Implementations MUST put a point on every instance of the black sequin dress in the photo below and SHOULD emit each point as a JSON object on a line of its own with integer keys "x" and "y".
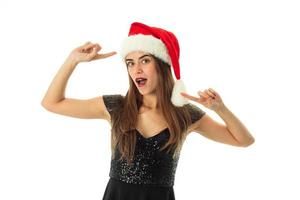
{"x": 152, "y": 175}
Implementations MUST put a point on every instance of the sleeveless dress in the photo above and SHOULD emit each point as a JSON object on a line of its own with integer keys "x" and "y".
{"x": 152, "y": 175}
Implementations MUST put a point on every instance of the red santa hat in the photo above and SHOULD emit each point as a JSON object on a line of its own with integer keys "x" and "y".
{"x": 160, "y": 43}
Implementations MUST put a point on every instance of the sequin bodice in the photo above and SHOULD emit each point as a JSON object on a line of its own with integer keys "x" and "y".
{"x": 150, "y": 165}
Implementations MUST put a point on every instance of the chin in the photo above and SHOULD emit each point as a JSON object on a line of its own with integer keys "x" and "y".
{"x": 147, "y": 92}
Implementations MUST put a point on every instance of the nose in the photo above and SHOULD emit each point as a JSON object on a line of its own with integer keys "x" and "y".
{"x": 138, "y": 69}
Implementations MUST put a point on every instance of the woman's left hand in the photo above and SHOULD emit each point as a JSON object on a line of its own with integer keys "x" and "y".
{"x": 209, "y": 98}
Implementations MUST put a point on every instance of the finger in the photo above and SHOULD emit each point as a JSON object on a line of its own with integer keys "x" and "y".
{"x": 189, "y": 96}
{"x": 87, "y": 47}
{"x": 109, "y": 54}
{"x": 98, "y": 47}
{"x": 100, "y": 56}
{"x": 213, "y": 91}
{"x": 210, "y": 93}
{"x": 82, "y": 46}
{"x": 202, "y": 94}
{"x": 92, "y": 54}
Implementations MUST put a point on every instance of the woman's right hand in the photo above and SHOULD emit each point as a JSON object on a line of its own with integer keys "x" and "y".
{"x": 88, "y": 52}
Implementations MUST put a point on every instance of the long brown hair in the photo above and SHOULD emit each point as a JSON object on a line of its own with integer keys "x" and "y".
{"x": 178, "y": 118}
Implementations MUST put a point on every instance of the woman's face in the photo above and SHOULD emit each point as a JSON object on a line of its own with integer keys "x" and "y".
{"x": 141, "y": 68}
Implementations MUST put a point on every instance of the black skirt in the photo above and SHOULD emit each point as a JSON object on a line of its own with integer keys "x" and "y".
{"x": 119, "y": 190}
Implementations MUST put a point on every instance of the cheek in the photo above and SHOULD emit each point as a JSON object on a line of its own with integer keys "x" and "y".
{"x": 129, "y": 73}
{"x": 154, "y": 77}
{"x": 151, "y": 70}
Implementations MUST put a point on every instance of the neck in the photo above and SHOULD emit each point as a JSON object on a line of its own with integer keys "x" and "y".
{"x": 150, "y": 101}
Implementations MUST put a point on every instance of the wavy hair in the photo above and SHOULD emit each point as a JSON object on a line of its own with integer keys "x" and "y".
{"x": 177, "y": 118}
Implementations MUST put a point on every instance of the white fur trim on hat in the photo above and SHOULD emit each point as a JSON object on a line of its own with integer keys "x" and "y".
{"x": 177, "y": 99}
{"x": 146, "y": 43}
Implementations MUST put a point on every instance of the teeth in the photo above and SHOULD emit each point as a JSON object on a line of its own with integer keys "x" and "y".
{"x": 138, "y": 80}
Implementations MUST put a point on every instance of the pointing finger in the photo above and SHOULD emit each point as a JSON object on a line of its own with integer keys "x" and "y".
{"x": 189, "y": 96}
{"x": 99, "y": 56}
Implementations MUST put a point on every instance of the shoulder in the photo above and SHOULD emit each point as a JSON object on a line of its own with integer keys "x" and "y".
{"x": 113, "y": 101}
{"x": 196, "y": 114}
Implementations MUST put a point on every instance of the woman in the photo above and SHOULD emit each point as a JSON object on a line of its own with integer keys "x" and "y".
{"x": 151, "y": 122}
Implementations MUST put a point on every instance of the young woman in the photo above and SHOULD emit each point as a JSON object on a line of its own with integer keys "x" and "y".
{"x": 151, "y": 122}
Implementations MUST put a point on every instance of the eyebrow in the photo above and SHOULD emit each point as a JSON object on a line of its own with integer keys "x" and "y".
{"x": 139, "y": 57}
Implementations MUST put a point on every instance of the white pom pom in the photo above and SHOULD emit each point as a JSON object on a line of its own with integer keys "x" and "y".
{"x": 177, "y": 99}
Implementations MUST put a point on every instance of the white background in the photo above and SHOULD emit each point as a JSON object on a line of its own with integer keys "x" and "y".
{"x": 248, "y": 51}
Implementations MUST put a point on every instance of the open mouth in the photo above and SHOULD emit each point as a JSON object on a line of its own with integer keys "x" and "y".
{"x": 141, "y": 81}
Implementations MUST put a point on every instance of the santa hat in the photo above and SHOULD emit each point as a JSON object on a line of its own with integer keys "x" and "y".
{"x": 160, "y": 43}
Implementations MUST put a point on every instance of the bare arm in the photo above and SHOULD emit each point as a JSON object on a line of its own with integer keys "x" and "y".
{"x": 233, "y": 132}
{"x": 56, "y": 90}
{"x": 54, "y": 99}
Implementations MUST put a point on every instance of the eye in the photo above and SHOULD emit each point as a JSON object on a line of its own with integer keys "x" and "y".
{"x": 146, "y": 60}
{"x": 129, "y": 64}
